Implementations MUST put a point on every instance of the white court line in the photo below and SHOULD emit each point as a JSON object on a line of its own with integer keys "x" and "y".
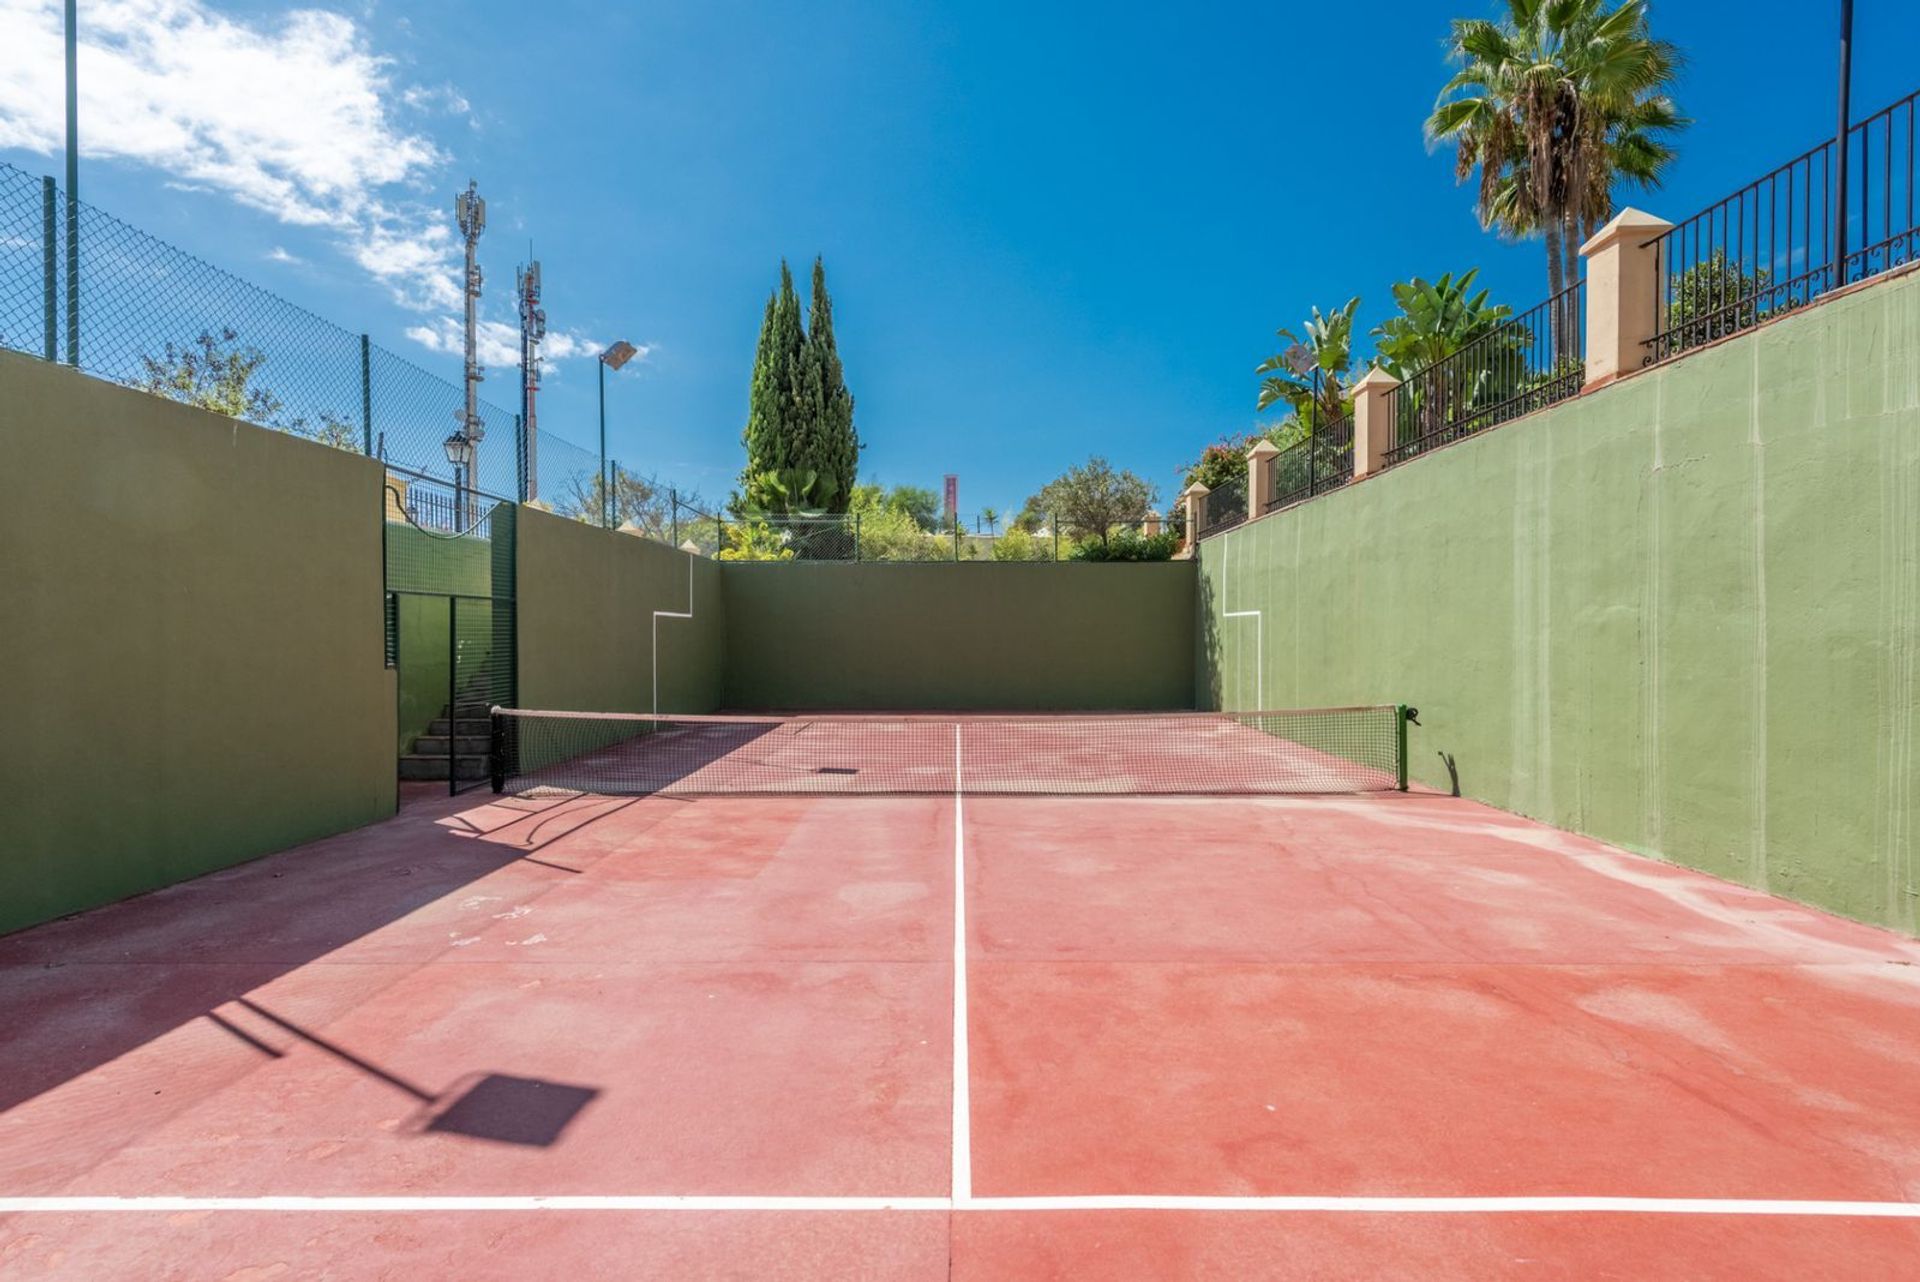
{"x": 1115, "y": 1202}
{"x": 962, "y": 1106}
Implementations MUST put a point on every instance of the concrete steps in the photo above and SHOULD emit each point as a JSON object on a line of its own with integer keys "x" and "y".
{"x": 457, "y": 740}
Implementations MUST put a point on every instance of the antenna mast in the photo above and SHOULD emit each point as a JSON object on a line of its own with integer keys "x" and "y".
{"x": 533, "y": 328}
{"x": 470, "y": 213}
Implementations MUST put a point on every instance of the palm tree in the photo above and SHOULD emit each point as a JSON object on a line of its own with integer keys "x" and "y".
{"x": 1328, "y": 347}
{"x": 992, "y": 518}
{"x": 1552, "y": 105}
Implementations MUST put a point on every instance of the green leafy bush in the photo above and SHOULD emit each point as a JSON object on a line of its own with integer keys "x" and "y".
{"x": 1129, "y": 545}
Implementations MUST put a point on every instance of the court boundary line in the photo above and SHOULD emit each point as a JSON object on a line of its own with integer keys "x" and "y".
{"x": 962, "y": 1072}
{"x": 1329, "y": 1205}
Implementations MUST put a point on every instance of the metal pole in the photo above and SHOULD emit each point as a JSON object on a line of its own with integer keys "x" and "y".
{"x": 453, "y": 695}
{"x": 1054, "y": 521}
{"x": 1840, "y": 145}
{"x": 1313, "y": 417}
{"x": 520, "y": 456}
{"x": 603, "y": 443}
{"x": 1400, "y": 745}
{"x": 366, "y": 392}
{"x": 50, "y": 266}
{"x": 673, "y": 504}
{"x": 73, "y": 185}
{"x": 856, "y": 536}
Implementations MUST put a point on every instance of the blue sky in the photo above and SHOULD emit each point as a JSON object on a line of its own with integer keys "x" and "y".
{"x": 1051, "y": 230}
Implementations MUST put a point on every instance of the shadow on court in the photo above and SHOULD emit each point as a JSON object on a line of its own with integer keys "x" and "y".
{"x": 199, "y": 949}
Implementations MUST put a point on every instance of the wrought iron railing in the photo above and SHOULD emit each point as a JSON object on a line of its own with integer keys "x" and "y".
{"x": 1321, "y": 461}
{"x": 1770, "y": 247}
{"x": 1526, "y": 363}
{"x": 1224, "y": 507}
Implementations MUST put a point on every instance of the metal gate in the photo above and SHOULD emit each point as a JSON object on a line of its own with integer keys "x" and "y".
{"x": 452, "y": 633}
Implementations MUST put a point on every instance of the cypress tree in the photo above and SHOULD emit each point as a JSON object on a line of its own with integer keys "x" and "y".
{"x": 762, "y": 401}
{"x": 836, "y": 451}
{"x": 799, "y": 412}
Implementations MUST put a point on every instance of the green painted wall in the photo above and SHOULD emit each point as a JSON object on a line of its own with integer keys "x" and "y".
{"x": 586, "y": 604}
{"x": 952, "y": 636}
{"x": 190, "y": 642}
{"x": 1681, "y": 613}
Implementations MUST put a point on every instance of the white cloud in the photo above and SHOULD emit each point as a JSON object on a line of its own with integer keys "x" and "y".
{"x": 294, "y": 117}
{"x": 498, "y": 344}
{"x": 279, "y": 254}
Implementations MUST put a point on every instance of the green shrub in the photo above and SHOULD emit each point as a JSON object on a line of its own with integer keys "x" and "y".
{"x": 1129, "y": 545}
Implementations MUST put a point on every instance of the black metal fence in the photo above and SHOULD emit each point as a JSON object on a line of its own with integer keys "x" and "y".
{"x": 1224, "y": 507}
{"x": 1771, "y": 246}
{"x": 1321, "y": 461}
{"x": 1527, "y": 363}
{"x": 155, "y": 317}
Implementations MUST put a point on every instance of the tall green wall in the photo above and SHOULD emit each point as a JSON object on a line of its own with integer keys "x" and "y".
{"x": 190, "y": 642}
{"x": 587, "y": 597}
{"x": 941, "y": 635}
{"x": 1681, "y": 613}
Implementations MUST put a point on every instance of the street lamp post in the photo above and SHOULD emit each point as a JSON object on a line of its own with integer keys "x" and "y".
{"x": 459, "y": 447}
{"x": 613, "y": 358}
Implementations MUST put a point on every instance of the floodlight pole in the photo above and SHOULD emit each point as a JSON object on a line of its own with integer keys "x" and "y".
{"x": 73, "y": 183}
{"x": 615, "y": 356}
{"x": 605, "y": 483}
{"x": 1840, "y": 144}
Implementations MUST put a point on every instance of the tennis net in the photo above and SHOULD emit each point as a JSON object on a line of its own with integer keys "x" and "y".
{"x": 1320, "y": 750}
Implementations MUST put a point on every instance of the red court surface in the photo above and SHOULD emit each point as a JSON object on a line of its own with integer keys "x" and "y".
{"x": 1303, "y": 1037}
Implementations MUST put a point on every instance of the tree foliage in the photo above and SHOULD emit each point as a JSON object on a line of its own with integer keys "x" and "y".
{"x": 802, "y": 450}
{"x": 1320, "y": 391}
{"x": 1715, "y": 298}
{"x": 1553, "y": 104}
{"x": 641, "y": 500}
{"x": 1093, "y": 500}
{"x": 1437, "y": 319}
{"x": 1128, "y": 545}
{"x": 217, "y": 372}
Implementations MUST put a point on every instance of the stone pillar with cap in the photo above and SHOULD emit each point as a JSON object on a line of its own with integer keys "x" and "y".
{"x": 1623, "y": 294}
{"x": 1372, "y": 421}
{"x": 1191, "y": 499}
{"x": 1260, "y": 476}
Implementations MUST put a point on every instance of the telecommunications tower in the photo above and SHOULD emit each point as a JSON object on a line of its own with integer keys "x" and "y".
{"x": 533, "y": 328}
{"x": 463, "y": 448}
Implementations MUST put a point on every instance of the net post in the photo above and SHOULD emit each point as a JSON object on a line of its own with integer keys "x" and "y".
{"x": 497, "y": 749}
{"x": 1400, "y": 716}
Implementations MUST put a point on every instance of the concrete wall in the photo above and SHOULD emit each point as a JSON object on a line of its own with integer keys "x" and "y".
{"x": 950, "y": 636}
{"x": 190, "y": 642}
{"x": 586, "y": 603}
{"x": 1681, "y": 613}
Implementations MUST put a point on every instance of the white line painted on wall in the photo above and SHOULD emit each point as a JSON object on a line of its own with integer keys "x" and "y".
{"x": 669, "y": 614}
{"x": 1227, "y": 542}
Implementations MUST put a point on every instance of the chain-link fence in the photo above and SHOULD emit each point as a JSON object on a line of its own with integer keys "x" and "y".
{"x": 143, "y": 313}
